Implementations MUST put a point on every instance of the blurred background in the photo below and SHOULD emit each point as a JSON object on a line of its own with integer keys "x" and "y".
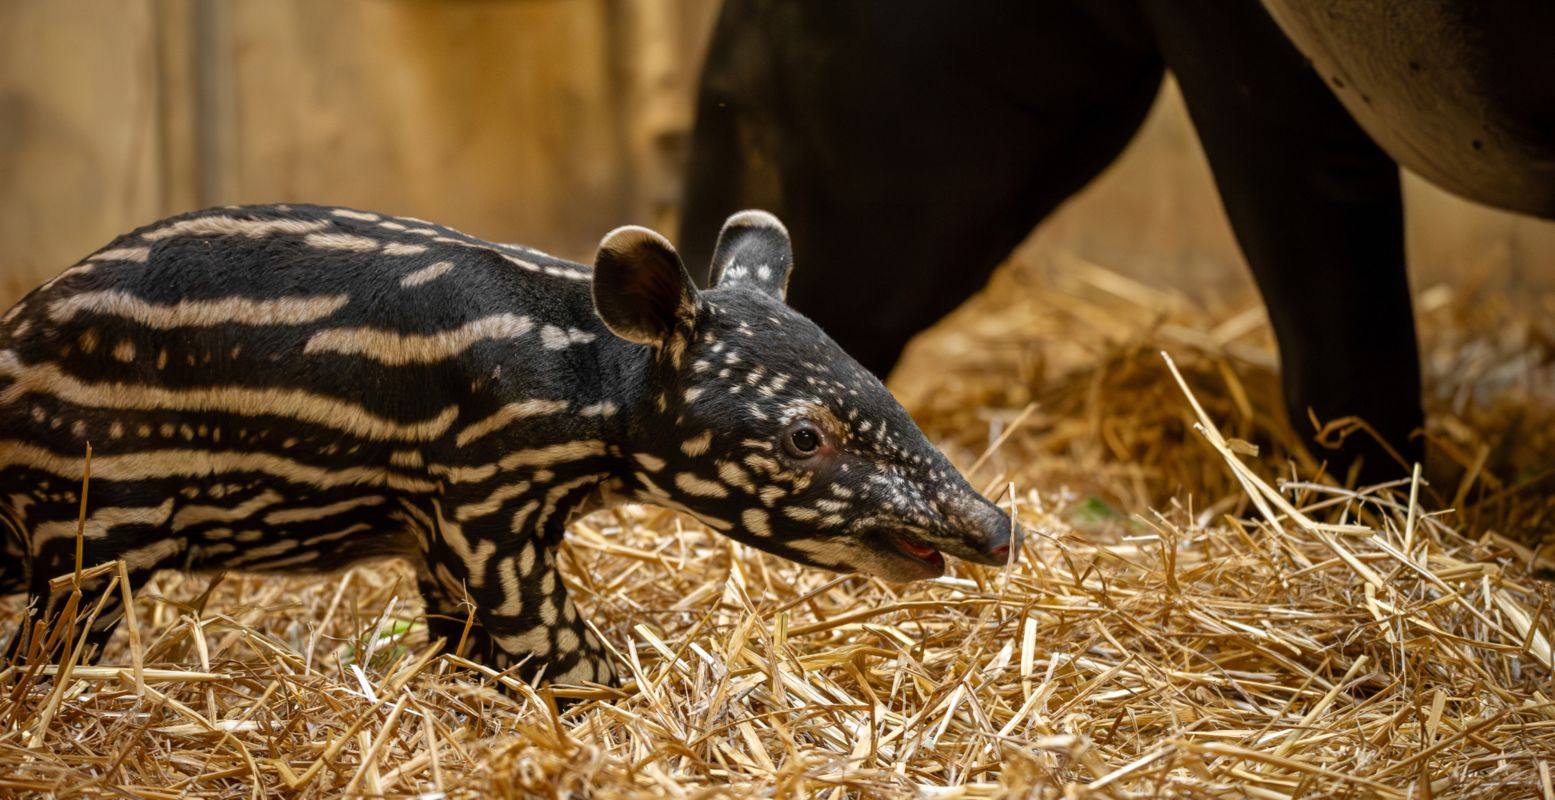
{"x": 546, "y": 122}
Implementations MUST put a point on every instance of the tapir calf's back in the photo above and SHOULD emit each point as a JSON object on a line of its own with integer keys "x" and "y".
{"x": 279, "y": 387}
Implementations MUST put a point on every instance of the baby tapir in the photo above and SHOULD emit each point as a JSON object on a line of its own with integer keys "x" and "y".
{"x": 296, "y": 388}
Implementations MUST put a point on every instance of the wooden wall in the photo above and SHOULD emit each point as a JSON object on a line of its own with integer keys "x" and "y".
{"x": 541, "y": 121}
{"x": 79, "y": 122}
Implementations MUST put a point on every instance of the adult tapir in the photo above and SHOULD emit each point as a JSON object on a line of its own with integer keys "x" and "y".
{"x": 910, "y": 146}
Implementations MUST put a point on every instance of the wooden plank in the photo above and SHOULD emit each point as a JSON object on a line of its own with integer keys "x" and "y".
{"x": 494, "y": 117}
{"x": 78, "y": 132}
{"x": 177, "y": 87}
{"x": 658, "y": 55}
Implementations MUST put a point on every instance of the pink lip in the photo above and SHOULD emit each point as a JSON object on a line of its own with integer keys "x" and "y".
{"x": 920, "y": 552}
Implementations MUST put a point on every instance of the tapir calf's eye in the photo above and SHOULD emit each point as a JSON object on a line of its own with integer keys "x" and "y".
{"x": 802, "y": 439}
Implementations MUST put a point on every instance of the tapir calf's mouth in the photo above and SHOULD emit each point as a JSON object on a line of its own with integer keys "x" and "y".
{"x": 920, "y": 551}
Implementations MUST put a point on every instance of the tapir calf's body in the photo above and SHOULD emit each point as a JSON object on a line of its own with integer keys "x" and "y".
{"x": 296, "y": 388}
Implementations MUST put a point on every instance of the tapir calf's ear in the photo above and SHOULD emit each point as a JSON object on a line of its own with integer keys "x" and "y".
{"x": 641, "y": 290}
{"x": 753, "y": 250}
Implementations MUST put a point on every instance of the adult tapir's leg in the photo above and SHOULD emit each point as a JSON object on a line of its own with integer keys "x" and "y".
{"x": 1316, "y": 208}
{"x": 908, "y": 146}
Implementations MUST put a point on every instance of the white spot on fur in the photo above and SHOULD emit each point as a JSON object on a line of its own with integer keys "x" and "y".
{"x": 731, "y": 474}
{"x": 340, "y": 534}
{"x": 365, "y": 216}
{"x": 801, "y": 514}
{"x": 554, "y": 338}
{"x": 199, "y": 313}
{"x": 473, "y": 556}
{"x": 697, "y": 445}
{"x": 603, "y": 408}
{"x": 229, "y": 226}
{"x": 553, "y": 454}
{"x": 492, "y": 503}
{"x": 691, "y": 484}
{"x": 757, "y": 522}
{"x": 512, "y": 589}
{"x": 100, "y": 522}
{"x": 341, "y": 241}
{"x": 394, "y": 349}
{"x": 403, "y": 249}
{"x": 535, "y": 641}
{"x": 507, "y": 415}
{"x": 290, "y": 515}
{"x": 132, "y": 254}
{"x": 426, "y": 274}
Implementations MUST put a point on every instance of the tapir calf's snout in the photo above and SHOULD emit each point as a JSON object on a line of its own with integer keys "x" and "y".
{"x": 995, "y": 550}
{"x": 990, "y": 535}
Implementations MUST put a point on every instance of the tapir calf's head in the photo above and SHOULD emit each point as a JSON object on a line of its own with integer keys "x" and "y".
{"x": 759, "y": 425}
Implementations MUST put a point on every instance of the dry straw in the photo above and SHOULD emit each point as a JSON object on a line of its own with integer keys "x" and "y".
{"x": 1189, "y": 620}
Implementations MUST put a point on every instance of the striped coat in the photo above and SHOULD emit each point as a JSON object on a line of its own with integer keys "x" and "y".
{"x": 297, "y": 388}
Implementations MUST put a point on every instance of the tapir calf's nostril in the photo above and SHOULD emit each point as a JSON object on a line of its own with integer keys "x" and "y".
{"x": 1002, "y": 552}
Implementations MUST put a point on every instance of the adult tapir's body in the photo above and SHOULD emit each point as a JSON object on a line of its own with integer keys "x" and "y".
{"x": 943, "y": 132}
{"x": 1460, "y": 91}
{"x": 279, "y": 388}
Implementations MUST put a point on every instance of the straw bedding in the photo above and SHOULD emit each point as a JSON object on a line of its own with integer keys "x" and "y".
{"x": 1201, "y": 613}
